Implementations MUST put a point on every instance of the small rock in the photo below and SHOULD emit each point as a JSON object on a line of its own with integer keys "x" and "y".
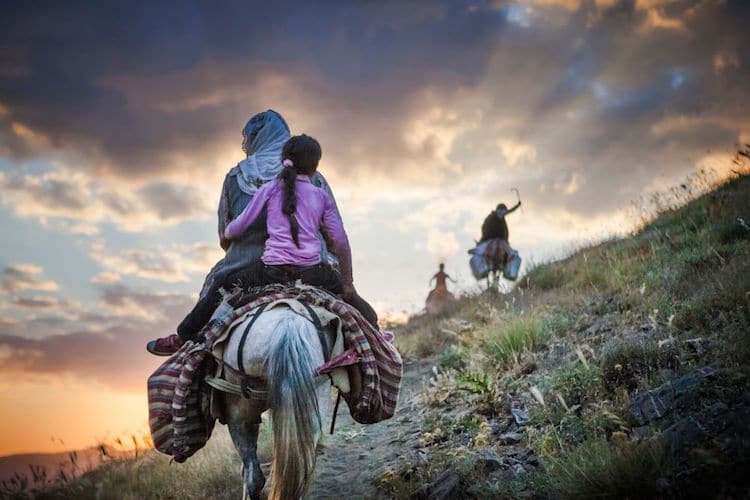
{"x": 446, "y": 486}
{"x": 510, "y": 438}
{"x": 528, "y": 367}
{"x": 489, "y": 462}
{"x": 643, "y": 432}
{"x": 656, "y": 403}
{"x": 520, "y": 416}
{"x": 518, "y": 470}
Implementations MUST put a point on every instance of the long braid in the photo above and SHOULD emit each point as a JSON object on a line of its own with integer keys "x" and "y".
{"x": 289, "y": 176}
{"x": 300, "y": 156}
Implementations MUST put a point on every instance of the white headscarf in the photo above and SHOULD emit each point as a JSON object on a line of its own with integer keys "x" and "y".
{"x": 264, "y": 136}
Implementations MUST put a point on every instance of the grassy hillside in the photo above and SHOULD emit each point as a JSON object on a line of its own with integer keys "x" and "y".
{"x": 620, "y": 371}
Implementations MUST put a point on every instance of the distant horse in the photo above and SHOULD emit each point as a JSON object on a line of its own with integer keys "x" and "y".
{"x": 497, "y": 254}
{"x": 281, "y": 354}
{"x": 492, "y": 256}
{"x": 437, "y": 299}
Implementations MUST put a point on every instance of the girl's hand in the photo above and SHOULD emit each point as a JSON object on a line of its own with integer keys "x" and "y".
{"x": 348, "y": 292}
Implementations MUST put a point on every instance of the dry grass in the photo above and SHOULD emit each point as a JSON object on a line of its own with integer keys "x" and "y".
{"x": 599, "y": 469}
{"x": 214, "y": 469}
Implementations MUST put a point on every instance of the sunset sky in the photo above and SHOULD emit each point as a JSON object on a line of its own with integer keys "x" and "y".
{"x": 118, "y": 122}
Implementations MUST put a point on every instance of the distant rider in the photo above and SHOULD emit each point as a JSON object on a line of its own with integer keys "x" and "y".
{"x": 440, "y": 278}
{"x": 494, "y": 225}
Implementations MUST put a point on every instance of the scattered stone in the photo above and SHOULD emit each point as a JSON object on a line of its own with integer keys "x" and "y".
{"x": 446, "y": 486}
{"x": 520, "y": 416}
{"x": 600, "y": 325}
{"x": 518, "y": 470}
{"x": 665, "y": 342}
{"x": 502, "y": 425}
{"x": 489, "y": 462}
{"x": 510, "y": 438}
{"x": 528, "y": 367}
{"x": 656, "y": 403}
{"x": 532, "y": 459}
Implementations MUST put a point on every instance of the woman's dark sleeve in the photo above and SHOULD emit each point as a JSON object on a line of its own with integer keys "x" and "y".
{"x": 513, "y": 208}
{"x": 223, "y": 213}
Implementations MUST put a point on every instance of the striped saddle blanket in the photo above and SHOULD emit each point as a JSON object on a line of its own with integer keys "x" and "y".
{"x": 179, "y": 398}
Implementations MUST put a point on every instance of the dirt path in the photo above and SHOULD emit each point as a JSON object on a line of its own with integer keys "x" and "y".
{"x": 356, "y": 454}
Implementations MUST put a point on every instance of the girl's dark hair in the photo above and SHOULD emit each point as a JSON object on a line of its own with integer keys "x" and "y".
{"x": 304, "y": 153}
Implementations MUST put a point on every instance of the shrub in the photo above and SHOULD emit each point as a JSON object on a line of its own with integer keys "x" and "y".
{"x": 623, "y": 364}
{"x": 520, "y": 335}
{"x": 452, "y": 358}
{"x": 547, "y": 276}
{"x": 598, "y": 469}
{"x": 576, "y": 383}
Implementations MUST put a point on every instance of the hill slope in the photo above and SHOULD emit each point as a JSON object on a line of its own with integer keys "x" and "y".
{"x": 619, "y": 371}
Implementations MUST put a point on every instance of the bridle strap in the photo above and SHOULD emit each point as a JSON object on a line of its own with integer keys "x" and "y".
{"x": 319, "y": 327}
{"x": 240, "y": 364}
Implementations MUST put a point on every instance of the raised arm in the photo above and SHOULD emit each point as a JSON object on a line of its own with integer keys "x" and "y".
{"x": 250, "y": 213}
{"x": 334, "y": 228}
{"x": 503, "y": 213}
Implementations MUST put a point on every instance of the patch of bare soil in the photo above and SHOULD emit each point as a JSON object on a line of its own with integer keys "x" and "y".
{"x": 356, "y": 454}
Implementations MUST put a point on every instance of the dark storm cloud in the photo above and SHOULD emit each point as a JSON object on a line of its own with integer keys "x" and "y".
{"x": 591, "y": 88}
{"x": 58, "y": 64}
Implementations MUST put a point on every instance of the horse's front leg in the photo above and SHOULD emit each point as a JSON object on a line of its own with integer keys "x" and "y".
{"x": 245, "y": 437}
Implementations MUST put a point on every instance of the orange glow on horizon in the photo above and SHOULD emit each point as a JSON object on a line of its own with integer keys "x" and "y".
{"x": 56, "y": 414}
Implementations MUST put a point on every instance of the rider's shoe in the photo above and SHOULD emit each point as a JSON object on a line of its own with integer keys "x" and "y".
{"x": 165, "y": 346}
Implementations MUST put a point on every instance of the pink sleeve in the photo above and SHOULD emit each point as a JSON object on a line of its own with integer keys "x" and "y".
{"x": 250, "y": 213}
{"x": 335, "y": 229}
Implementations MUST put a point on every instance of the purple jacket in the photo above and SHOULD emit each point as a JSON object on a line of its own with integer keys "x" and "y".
{"x": 315, "y": 208}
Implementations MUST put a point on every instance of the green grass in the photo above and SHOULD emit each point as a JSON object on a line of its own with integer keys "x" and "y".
{"x": 523, "y": 333}
{"x": 600, "y": 469}
{"x": 576, "y": 383}
{"x": 453, "y": 358}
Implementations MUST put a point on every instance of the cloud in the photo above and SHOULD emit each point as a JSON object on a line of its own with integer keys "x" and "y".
{"x": 78, "y": 197}
{"x": 441, "y": 244}
{"x": 39, "y": 302}
{"x": 170, "y": 264}
{"x": 106, "y": 345}
{"x": 20, "y": 277}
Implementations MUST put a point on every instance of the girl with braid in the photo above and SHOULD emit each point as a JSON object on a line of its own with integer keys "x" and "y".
{"x": 296, "y": 211}
{"x": 264, "y": 139}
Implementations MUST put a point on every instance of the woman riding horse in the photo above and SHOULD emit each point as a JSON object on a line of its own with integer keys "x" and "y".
{"x": 263, "y": 137}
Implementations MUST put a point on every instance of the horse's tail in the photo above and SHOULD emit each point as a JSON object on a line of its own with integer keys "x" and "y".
{"x": 294, "y": 409}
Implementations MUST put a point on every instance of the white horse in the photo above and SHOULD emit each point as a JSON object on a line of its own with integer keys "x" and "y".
{"x": 281, "y": 353}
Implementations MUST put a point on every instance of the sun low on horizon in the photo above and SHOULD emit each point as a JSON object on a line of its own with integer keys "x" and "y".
{"x": 119, "y": 123}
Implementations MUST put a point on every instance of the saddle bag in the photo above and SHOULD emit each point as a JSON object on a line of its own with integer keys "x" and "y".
{"x": 480, "y": 267}
{"x": 179, "y": 404}
{"x": 510, "y": 272}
